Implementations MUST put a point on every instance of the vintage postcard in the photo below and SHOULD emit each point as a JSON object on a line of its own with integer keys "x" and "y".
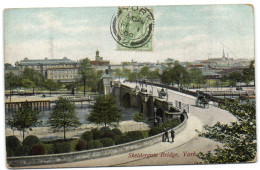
{"x": 129, "y": 86}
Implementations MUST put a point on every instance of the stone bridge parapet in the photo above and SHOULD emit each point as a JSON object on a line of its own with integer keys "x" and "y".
{"x": 152, "y": 106}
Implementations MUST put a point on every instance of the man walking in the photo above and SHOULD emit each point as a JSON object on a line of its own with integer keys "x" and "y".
{"x": 172, "y": 135}
{"x": 163, "y": 137}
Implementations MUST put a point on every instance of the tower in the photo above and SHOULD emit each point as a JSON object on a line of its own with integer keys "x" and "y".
{"x": 223, "y": 55}
{"x": 97, "y": 55}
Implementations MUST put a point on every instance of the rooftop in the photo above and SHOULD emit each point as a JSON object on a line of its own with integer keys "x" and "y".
{"x": 27, "y": 61}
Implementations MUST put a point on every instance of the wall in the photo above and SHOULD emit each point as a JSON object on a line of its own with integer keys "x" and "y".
{"x": 88, "y": 154}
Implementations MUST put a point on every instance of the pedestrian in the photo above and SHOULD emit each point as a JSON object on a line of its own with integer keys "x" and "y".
{"x": 163, "y": 137}
{"x": 166, "y": 135}
{"x": 185, "y": 113}
{"x": 172, "y": 135}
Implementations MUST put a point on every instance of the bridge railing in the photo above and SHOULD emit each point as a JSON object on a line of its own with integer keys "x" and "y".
{"x": 192, "y": 93}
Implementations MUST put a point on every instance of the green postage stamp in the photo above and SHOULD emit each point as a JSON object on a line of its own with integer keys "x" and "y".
{"x": 132, "y": 28}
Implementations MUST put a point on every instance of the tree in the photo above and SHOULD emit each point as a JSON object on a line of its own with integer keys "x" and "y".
{"x": 25, "y": 118}
{"x": 166, "y": 77}
{"x": 249, "y": 73}
{"x": 71, "y": 86}
{"x": 33, "y": 76}
{"x": 26, "y": 83}
{"x": 132, "y": 76}
{"x": 93, "y": 81}
{"x": 144, "y": 72}
{"x": 179, "y": 74}
{"x": 238, "y": 138}
{"x": 126, "y": 72}
{"x": 196, "y": 76}
{"x": 59, "y": 85}
{"x": 234, "y": 77}
{"x": 50, "y": 85}
{"x": 154, "y": 75}
{"x": 10, "y": 121}
{"x": 105, "y": 111}
{"x": 63, "y": 116}
{"x": 12, "y": 81}
{"x": 139, "y": 117}
{"x": 118, "y": 73}
{"x": 86, "y": 72}
{"x": 7, "y": 65}
{"x": 100, "y": 86}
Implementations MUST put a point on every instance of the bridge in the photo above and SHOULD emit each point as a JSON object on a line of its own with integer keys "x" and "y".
{"x": 156, "y": 108}
{"x": 42, "y": 103}
{"x": 187, "y": 140}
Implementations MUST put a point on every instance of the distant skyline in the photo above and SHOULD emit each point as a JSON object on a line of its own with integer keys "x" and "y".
{"x": 184, "y": 33}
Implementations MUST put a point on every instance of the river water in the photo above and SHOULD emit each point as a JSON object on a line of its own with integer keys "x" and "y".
{"x": 82, "y": 113}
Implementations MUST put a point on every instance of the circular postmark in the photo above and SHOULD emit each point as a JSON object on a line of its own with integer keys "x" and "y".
{"x": 132, "y": 27}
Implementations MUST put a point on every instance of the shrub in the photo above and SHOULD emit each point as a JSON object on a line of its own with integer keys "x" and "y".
{"x": 155, "y": 130}
{"x": 104, "y": 129}
{"x": 62, "y": 147}
{"x": 12, "y": 142}
{"x": 139, "y": 117}
{"x": 107, "y": 142}
{"x": 73, "y": 143}
{"x": 119, "y": 139}
{"x": 31, "y": 140}
{"x": 116, "y": 131}
{"x": 90, "y": 144}
{"x": 134, "y": 135}
{"x": 81, "y": 145}
{"x": 145, "y": 133}
{"x": 170, "y": 124}
{"x": 22, "y": 151}
{"x": 87, "y": 136}
{"x": 38, "y": 149}
{"x": 108, "y": 134}
{"x": 97, "y": 144}
{"x": 49, "y": 148}
{"x": 9, "y": 152}
{"x": 97, "y": 134}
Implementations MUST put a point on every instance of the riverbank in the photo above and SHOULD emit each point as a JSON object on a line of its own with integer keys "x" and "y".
{"x": 44, "y": 133}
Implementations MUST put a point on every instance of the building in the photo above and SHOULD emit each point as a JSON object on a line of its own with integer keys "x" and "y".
{"x": 64, "y": 75}
{"x": 99, "y": 61}
{"x": 9, "y": 68}
{"x": 224, "y": 62}
{"x": 64, "y": 69}
{"x": 200, "y": 66}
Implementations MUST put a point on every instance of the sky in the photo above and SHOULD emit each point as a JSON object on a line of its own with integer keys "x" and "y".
{"x": 184, "y": 33}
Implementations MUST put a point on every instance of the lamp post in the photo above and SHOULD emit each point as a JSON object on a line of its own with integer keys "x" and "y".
{"x": 155, "y": 120}
{"x": 167, "y": 94}
{"x": 10, "y": 84}
{"x": 152, "y": 87}
{"x": 231, "y": 91}
{"x": 181, "y": 76}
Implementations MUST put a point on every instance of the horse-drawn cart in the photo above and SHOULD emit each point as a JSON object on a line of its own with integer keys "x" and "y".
{"x": 201, "y": 101}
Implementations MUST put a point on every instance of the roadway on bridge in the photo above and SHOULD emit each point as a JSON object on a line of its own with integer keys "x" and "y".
{"x": 181, "y": 151}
